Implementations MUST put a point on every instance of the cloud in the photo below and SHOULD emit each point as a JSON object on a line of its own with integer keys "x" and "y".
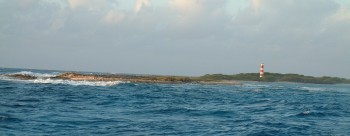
{"x": 28, "y": 3}
{"x": 343, "y": 14}
{"x": 91, "y": 4}
{"x": 76, "y": 3}
{"x": 140, "y": 4}
{"x": 194, "y": 15}
{"x": 186, "y": 6}
{"x": 113, "y": 17}
{"x": 57, "y": 24}
{"x": 181, "y": 37}
{"x": 256, "y": 4}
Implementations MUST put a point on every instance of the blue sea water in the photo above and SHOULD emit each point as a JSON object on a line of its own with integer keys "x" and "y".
{"x": 61, "y": 107}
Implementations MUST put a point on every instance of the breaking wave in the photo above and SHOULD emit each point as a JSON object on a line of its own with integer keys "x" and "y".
{"x": 46, "y": 78}
{"x": 76, "y": 83}
{"x": 313, "y": 89}
{"x": 39, "y": 75}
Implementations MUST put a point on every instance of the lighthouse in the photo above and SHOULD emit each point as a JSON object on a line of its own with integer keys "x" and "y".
{"x": 261, "y": 70}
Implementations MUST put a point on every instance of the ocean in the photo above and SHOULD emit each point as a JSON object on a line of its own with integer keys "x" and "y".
{"x": 62, "y": 107}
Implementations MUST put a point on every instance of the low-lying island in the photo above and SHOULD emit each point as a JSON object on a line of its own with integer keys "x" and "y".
{"x": 128, "y": 78}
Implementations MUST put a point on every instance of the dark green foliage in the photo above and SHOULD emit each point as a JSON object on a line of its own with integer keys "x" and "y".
{"x": 217, "y": 77}
{"x": 276, "y": 77}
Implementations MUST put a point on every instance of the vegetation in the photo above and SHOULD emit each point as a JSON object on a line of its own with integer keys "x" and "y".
{"x": 276, "y": 77}
{"x": 208, "y": 79}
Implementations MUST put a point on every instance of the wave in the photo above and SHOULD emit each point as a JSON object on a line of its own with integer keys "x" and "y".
{"x": 313, "y": 89}
{"x": 46, "y": 78}
{"x": 39, "y": 75}
{"x": 76, "y": 83}
{"x": 256, "y": 85}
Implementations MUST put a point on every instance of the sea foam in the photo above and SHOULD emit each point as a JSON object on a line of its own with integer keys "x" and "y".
{"x": 313, "y": 89}
{"x": 76, "y": 83}
{"x": 46, "y": 78}
{"x": 39, "y": 75}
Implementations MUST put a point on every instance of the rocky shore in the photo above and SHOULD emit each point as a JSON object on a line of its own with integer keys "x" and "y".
{"x": 21, "y": 76}
{"x": 128, "y": 78}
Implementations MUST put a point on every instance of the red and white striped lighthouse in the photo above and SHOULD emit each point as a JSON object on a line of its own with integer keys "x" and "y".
{"x": 261, "y": 70}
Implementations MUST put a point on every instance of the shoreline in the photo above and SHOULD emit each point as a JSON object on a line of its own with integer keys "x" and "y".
{"x": 75, "y": 76}
{"x": 235, "y": 79}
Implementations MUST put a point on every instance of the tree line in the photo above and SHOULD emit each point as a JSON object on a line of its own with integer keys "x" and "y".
{"x": 277, "y": 77}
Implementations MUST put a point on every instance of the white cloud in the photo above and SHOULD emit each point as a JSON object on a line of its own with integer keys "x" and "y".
{"x": 342, "y": 14}
{"x": 256, "y": 4}
{"x": 185, "y": 3}
{"x": 89, "y": 4}
{"x": 186, "y": 6}
{"x": 57, "y": 24}
{"x": 76, "y": 3}
{"x": 113, "y": 17}
{"x": 140, "y": 4}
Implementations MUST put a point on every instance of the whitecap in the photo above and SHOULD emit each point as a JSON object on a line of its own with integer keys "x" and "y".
{"x": 313, "y": 89}
{"x": 255, "y": 87}
{"x": 39, "y": 75}
{"x": 45, "y": 79}
{"x": 306, "y": 112}
{"x": 76, "y": 83}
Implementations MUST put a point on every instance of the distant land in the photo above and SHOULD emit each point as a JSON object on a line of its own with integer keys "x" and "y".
{"x": 277, "y": 77}
{"x": 206, "y": 79}
{"x": 76, "y": 76}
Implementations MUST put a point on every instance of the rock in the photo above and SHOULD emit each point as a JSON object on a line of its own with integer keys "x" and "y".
{"x": 81, "y": 77}
{"x": 22, "y": 76}
{"x": 68, "y": 75}
{"x": 140, "y": 79}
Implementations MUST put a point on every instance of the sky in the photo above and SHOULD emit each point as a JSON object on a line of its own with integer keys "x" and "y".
{"x": 177, "y": 37}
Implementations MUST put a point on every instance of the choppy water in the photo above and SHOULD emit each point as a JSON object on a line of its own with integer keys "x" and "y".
{"x": 59, "y": 107}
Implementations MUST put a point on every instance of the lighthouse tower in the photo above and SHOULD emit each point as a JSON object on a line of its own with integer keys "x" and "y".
{"x": 261, "y": 70}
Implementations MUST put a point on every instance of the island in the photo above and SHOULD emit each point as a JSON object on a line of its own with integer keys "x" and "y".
{"x": 234, "y": 79}
{"x": 277, "y": 77}
{"x": 75, "y": 76}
